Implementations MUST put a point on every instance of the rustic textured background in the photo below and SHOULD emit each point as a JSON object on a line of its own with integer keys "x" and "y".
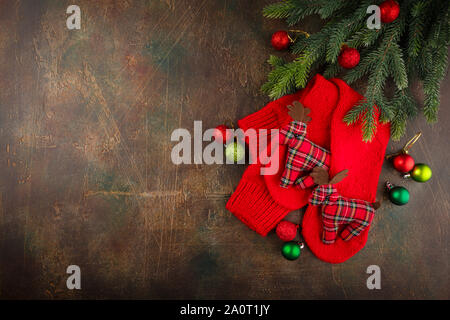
{"x": 86, "y": 176}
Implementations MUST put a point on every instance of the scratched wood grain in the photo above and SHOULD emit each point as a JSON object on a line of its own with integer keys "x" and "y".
{"x": 86, "y": 177}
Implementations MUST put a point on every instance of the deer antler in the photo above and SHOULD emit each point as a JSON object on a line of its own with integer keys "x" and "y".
{"x": 298, "y": 112}
{"x": 339, "y": 176}
{"x": 321, "y": 177}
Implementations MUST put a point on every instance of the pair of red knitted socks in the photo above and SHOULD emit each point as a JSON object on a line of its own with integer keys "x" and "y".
{"x": 261, "y": 203}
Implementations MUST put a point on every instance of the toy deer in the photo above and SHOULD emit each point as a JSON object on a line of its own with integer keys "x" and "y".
{"x": 338, "y": 210}
{"x": 303, "y": 155}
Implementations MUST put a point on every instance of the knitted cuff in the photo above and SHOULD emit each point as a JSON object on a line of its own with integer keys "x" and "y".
{"x": 265, "y": 118}
{"x": 254, "y": 206}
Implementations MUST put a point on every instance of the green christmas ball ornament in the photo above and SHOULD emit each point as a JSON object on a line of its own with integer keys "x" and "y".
{"x": 234, "y": 152}
{"x": 291, "y": 250}
{"x": 421, "y": 172}
{"x": 398, "y": 195}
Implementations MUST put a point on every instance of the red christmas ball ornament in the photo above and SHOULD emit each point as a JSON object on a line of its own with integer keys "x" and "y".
{"x": 389, "y": 11}
{"x": 348, "y": 58}
{"x": 221, "y": 134}
{"x": 286, "y": 230}
{"x": 403, "y": 163}
{"x": 280, "y": 40}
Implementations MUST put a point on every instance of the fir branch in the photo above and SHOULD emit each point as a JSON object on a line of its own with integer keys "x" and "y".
{"x": 417, "y": 27}
{"x": 332, "y": 70}
{"x": 284, "y": 79}
{"x": 397, "y": 66}
{"x": 377, "y": 78}
{"x": 275, "y": 61}
{"x": 368, "y": 125}
{"x": 432, "y": 84}
{"x": 355, "y": 114}
{"x": 368, "y": 60}
{"x": 331, "y": 7}
{"x": 415, "y": 44}
{"x": 437, "y": 54}
{"x": 343, "y": 29}
{"x": 279, "y": 10}
{"x": 404, "y": 107}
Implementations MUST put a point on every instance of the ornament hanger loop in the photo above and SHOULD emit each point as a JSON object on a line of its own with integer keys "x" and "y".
{"x": 411, "y": 142}
{"x": 298, "y": 31}
{"x": 407, "y": 146}
{"x": 229, "y": 122}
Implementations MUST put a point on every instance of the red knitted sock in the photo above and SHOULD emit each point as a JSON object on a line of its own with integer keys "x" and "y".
{"x": 320, "y": 96}
{"x": 259, "y": 201}
{"x": 363, "y": 160}
{"x": 252, "y": 203}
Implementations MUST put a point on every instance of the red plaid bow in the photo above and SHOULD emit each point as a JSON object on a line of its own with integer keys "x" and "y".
{"x": 303, "y": 155}
{"x": 337, "y": 210}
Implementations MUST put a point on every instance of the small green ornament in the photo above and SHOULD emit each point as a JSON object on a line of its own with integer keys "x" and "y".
{"x": 291, "y": 250}
{"x": 234, "y": 152}
{"x": 398, "y": 195}
{"x": 421, "y": 172}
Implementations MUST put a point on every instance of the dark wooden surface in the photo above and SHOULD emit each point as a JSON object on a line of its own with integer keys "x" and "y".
{"x": 86, "y": 176}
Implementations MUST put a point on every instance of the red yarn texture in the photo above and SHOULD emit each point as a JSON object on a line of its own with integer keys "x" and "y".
{"x": 286, "y": 230}
{"x": 261, "y": 203}
{"x": 320, "y": 97}
{"x": 363, "y": 160}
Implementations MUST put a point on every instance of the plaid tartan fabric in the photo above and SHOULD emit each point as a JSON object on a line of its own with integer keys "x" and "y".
{"x": 337, "y": 210}
{"x": 303, "y": 155}
{"x": 305, "y": 182}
